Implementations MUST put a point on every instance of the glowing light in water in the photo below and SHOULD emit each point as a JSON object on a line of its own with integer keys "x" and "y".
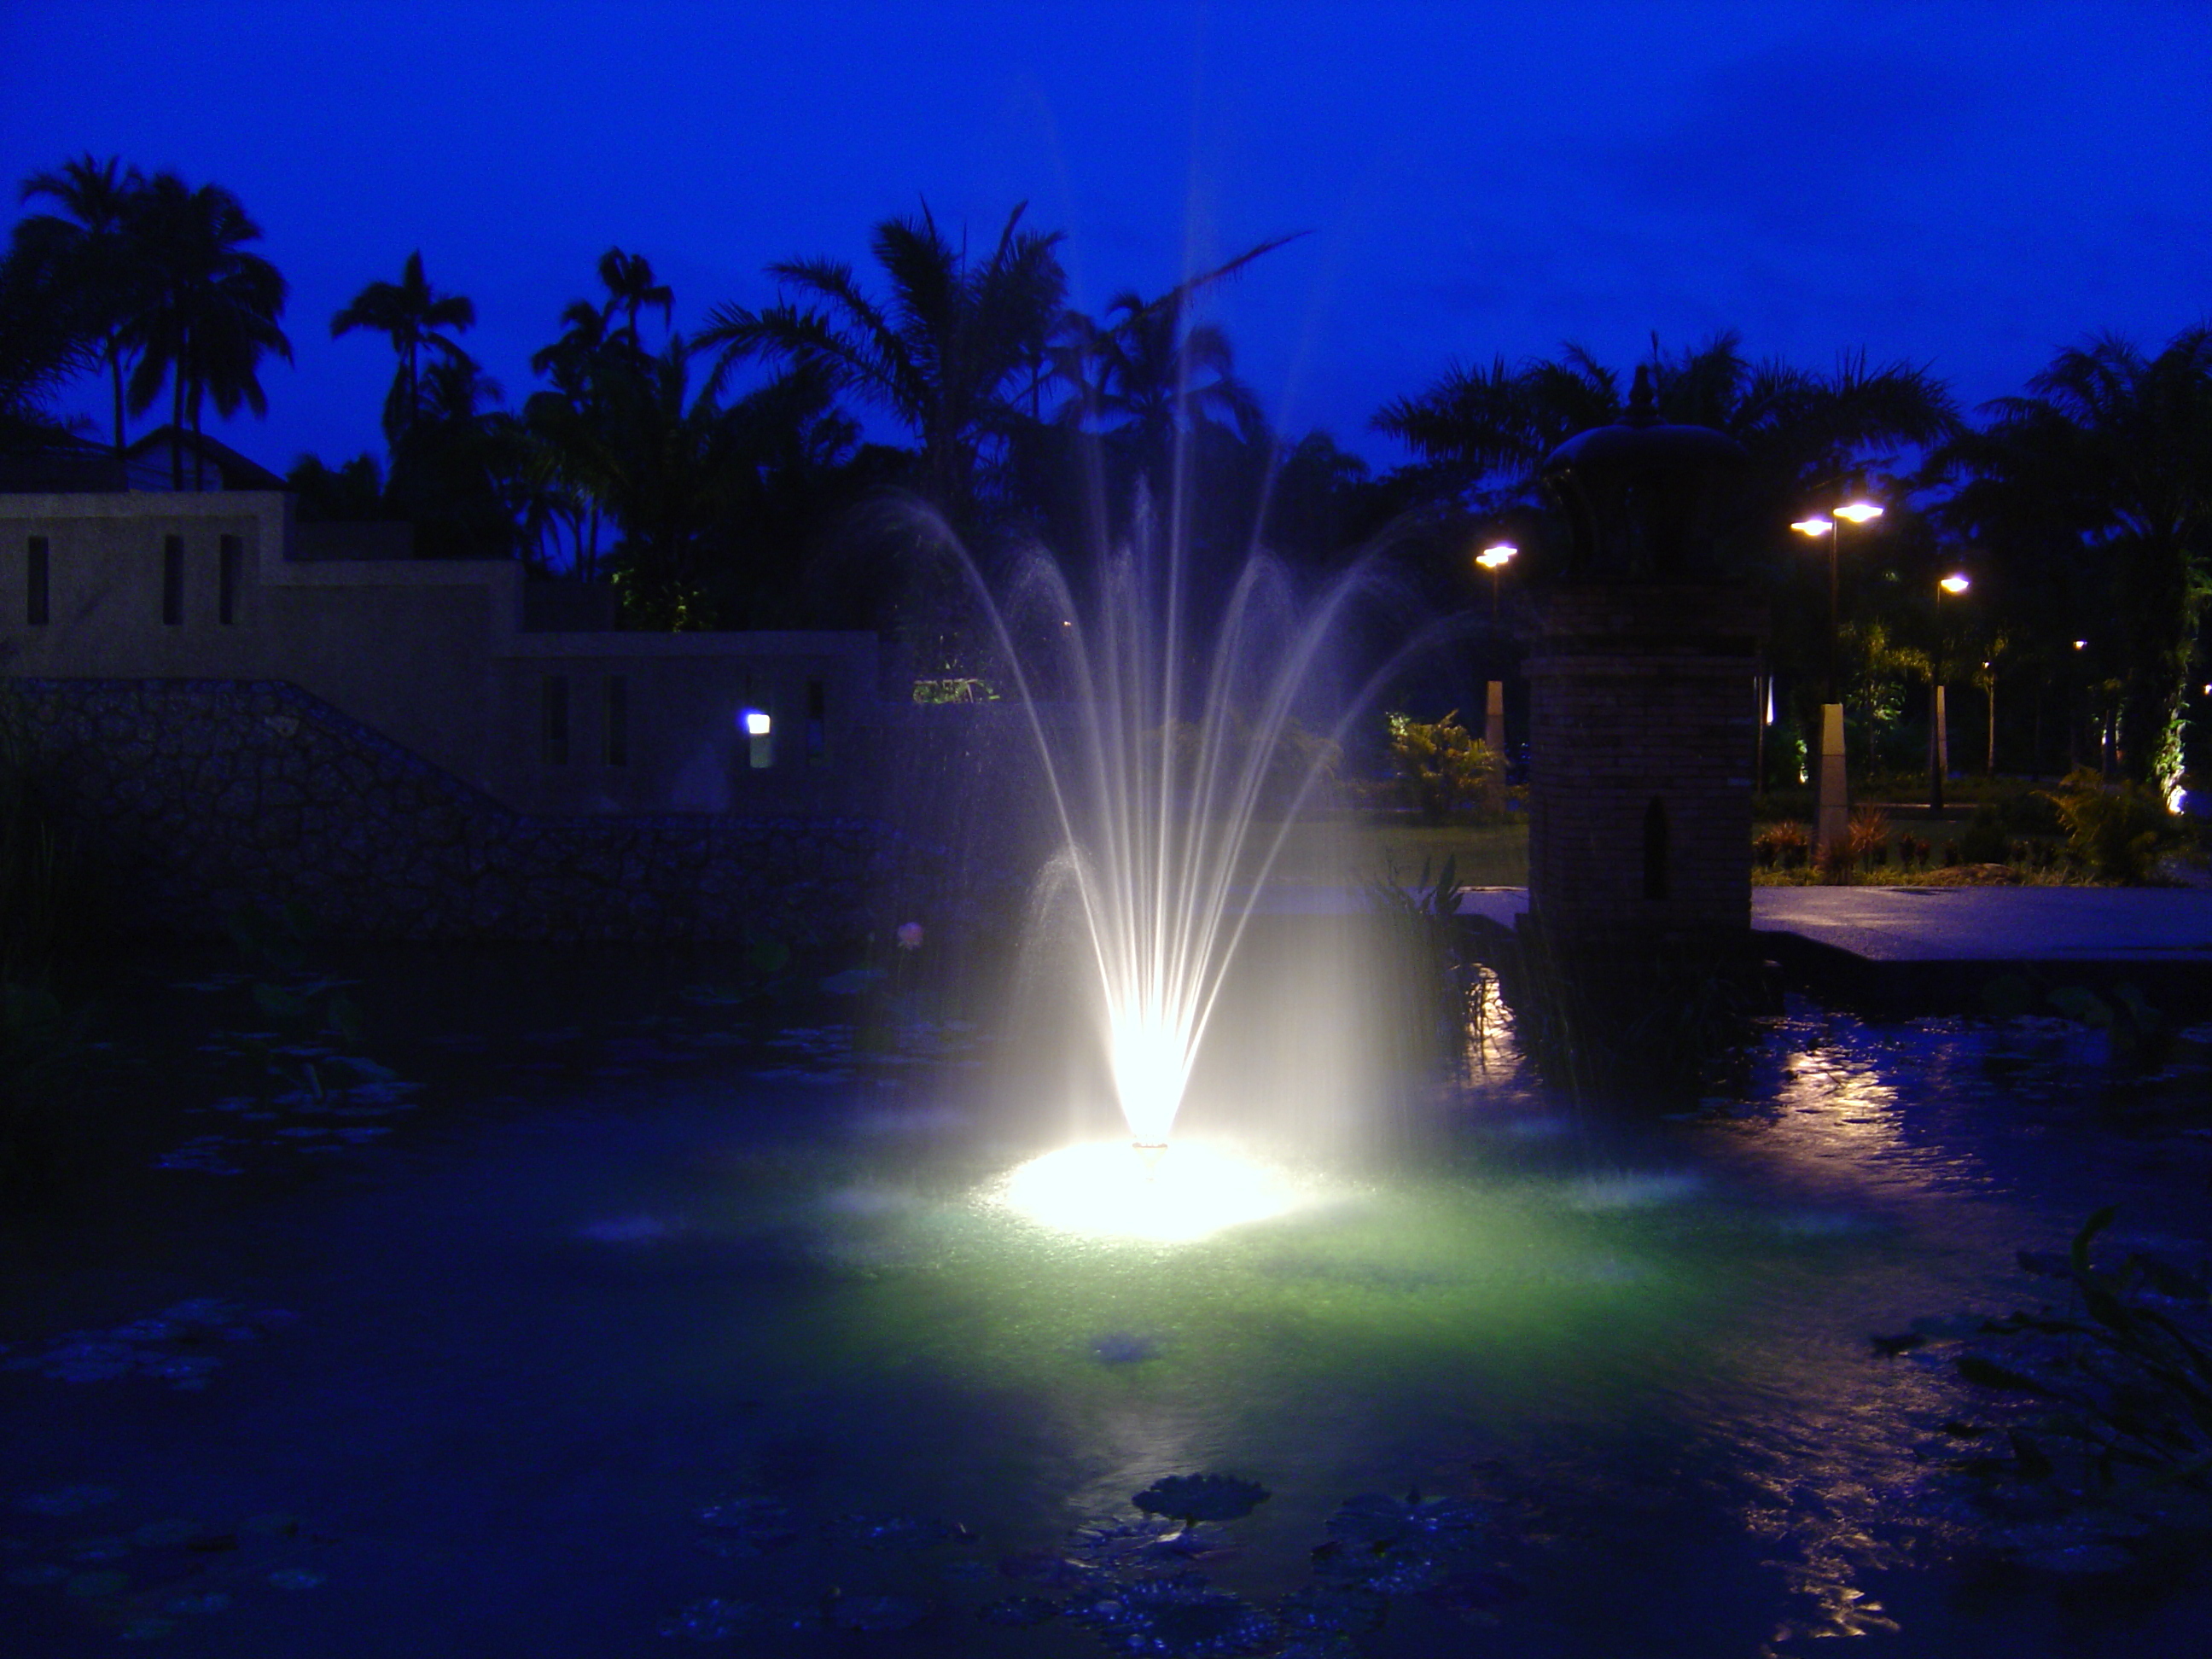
{"x": 1172, "y": 772}
{"x": 1110, "y": 1189}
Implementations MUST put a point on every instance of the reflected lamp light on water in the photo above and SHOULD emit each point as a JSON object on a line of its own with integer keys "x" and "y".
{"x": 1163, "y": 1195}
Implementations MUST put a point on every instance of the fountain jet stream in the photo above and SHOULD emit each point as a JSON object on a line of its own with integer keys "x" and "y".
{"x": 1159, "y": 817}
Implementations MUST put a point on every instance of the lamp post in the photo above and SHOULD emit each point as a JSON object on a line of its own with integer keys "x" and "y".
{"x": 1494, "y": 559}
{"x": 1831, "y": 794}
{"x": 1939, "y": 747}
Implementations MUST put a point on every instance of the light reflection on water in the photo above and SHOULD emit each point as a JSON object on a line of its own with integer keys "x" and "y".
{"x": 1651, "y": 1335}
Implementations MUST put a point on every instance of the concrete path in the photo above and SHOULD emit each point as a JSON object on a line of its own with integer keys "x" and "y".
{"x": 1922, "y": 924}
{"x": 1995, "y": 924}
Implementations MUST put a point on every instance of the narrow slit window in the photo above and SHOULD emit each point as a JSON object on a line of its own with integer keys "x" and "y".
{"x": 817, "y": 723}
{"x": 172, "y": 580}
{"x": 553, "y": 718}
{"x": 617, "y": 720}
{"x": 1655, "y": 850}
{"x": 35, "y": 582}
{"x": 230, "y": 560}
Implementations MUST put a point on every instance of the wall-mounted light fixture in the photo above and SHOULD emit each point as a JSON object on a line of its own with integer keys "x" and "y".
{"x": 760, "y": 736}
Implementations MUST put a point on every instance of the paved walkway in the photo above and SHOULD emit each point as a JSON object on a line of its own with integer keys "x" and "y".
{"x": 1966, "y": 924}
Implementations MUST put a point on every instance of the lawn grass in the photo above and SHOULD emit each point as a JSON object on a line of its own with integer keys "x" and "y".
{"x": 1348, "y": 851}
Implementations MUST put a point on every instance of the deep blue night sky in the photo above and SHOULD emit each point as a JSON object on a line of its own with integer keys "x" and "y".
{"x": 1963, "y": 185}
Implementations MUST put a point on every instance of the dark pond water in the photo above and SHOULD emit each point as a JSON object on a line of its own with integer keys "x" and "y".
{"x": 610, "y": 1316}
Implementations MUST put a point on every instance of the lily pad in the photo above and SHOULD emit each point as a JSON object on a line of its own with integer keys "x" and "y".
{"x": 712, "y": 1620}
{"x": 747, "y": 1525}
{"x": 67, "y": 1500}
{"x": 1336, "y": 1608}
{"x": 1380, "y": 1521}
{"x": 889, "y": 1532}
{"x": 1195, "y": 1497}
{"x": 1019, "y": 1612}
{"x": 877, "y": 1613}
{"x": 1180, "y": 1617}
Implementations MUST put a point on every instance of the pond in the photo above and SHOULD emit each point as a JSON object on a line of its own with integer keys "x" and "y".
{"x": 614, "y": 1311}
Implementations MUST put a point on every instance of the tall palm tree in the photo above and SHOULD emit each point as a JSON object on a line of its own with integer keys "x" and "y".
{"x": 410, "y": 312}
{"x": 89, "y": 247}
{"x": 1485, "y": 432}
{"x": 630, "y": 288}
{"x": 2106, "y": 469}
{"x": 210, "y": 308}
{"x": 944, "y": 354}
{"x": 1146, "y": 371}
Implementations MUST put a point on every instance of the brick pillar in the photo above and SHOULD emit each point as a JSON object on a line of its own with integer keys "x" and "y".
{"x": 1640, "y": 742}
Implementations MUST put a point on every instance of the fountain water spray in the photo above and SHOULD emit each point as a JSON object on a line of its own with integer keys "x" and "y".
{"x": 1175, "y": 742}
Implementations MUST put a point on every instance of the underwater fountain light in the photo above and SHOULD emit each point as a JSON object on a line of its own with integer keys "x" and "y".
{"x": 1109, "y": 1190}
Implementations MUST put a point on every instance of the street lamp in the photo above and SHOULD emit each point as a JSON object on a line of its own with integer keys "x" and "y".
{"x": 1830, "y": 804}
{"x": 1938, "y": 750}
{"x": 1494, "y": 559}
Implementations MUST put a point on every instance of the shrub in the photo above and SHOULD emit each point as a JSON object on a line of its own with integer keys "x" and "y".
{"x": 1447, "y": 769}
{"x": 1867, "y": 838}
{"x": 1912, "y": 852}
{"x": 2118, "y": 830}
{"x": 1784, "y": 844}
{"x": 1985, "y": 841}
{"x": 1835, "y": 862}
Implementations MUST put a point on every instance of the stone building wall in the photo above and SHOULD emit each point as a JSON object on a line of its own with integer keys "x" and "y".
{"x": 1641, "y": 731}
{"x": 191, "y": 796}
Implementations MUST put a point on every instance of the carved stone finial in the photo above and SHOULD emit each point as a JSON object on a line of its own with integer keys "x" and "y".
{"x": 1643, "y": 401}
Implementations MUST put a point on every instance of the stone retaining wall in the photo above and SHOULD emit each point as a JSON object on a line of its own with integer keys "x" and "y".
{"x": 190, "y": 798}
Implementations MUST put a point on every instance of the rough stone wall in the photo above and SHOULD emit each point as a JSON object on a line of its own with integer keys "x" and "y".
{"x": 1639, "y": 695}
{"x": 189, "y": 798}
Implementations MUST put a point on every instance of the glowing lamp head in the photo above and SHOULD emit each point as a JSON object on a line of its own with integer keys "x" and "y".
{"x": 1955, "y": 584}
{"x": 1858, "y": 512}
{"x": 1812, "y": 526}
{"x": 756, "y": 722}
{"x": 1497, "y": 557}
{"x": 2081, "y": 644}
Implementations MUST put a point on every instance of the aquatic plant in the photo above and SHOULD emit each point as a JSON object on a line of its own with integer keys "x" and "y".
{"x": 1450, "y": 997}
{"x": 2112, "y": 1445}
{"x": 1191, "y": 1498}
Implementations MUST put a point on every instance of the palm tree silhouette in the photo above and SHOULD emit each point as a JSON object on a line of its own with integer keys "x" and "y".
{"x": 209, "y": 309}
{"x": 89, "y": 247}
{"x": 630, "y": 288}
{"x": 944, "y": 354}
{"x": 410, "y": 312}
{"x": 2105, "y": 471}
{"x": 1146, "y": 371}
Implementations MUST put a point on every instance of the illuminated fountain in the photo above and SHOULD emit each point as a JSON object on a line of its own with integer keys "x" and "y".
{"x": 1160, "y": 723}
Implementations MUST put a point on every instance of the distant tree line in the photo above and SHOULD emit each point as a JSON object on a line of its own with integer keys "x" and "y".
{"x": 722, "y": 479}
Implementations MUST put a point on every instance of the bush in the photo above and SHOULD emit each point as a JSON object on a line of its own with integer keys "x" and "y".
{"x": 1447, "y": 770}
{"x": 1867, "y": 838}
{"x": 1786, "y": 845}
{"x": 1986, "y": 841}
{"x": 2118, "y": 830}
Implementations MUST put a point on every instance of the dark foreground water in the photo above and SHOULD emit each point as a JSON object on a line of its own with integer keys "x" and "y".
{"x": 622, "y": 1317}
